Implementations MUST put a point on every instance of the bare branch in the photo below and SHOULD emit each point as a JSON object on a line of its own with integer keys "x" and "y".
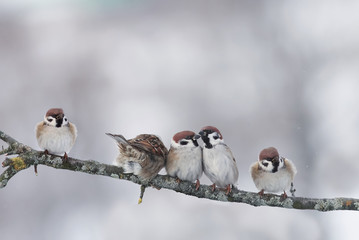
{"x": 27, "y": 157}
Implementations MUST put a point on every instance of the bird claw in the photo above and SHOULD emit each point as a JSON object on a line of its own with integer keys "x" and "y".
{"x": 65, "y": 158}
{"x": 228, "y": 189}
{"x": 213, "y": 187}
{"x": 178, "y": 180}
{"x": 284, "y": 196}
{"x": 197, "y": 185}
{"x": 261, "y": 193}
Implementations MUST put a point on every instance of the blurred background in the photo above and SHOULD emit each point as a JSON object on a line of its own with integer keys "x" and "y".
{"x": 281, "y": 74}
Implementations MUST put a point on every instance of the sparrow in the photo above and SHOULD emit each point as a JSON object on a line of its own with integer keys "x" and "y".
{"x": 219, "y": 164}
{"x": 272, "y": 173}
{"x": 184, "y": 160}
{"x": 55, "y": 134}
{"x": 144, "y": 155}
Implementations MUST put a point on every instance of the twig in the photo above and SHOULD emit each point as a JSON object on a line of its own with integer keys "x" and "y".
{"x": 143, "y": 188}
{"x": 27, "y": 157}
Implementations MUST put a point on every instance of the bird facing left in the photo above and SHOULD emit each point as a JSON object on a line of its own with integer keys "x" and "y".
{"x": 144, "y": 155}
{"x": 55, "y": 134}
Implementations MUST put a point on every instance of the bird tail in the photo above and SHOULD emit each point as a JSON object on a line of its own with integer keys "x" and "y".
{"x": 118, "y": 137}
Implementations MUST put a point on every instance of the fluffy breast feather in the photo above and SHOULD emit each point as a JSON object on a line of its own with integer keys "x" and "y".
{"x": 273, "y": 182}
{"x": 185, "y": 163}
{"x": 56, "y": 140}
{"x": 219, "y": 165}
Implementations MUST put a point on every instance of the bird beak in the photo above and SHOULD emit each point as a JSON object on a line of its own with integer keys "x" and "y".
{"x": 195, "y": 137}
{"x": 275, "y": 162}
{"x": 202, "y": 133}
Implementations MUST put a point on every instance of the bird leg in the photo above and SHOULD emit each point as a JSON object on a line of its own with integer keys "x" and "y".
{"x": 261, "y": 193}
{"x": 65, "y": 158}
{"x": 197, "y": 185}
{"x": 178, "y": 180}
{"x": 228, "y": 189}
{"x": 213, "y": 187}
{"x": 284, "y": 195}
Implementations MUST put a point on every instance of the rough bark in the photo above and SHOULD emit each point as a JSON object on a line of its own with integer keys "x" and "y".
{"x": 27, "y": 157}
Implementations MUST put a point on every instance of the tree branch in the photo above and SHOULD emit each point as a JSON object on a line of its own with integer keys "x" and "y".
{"x": 27, "y": 157}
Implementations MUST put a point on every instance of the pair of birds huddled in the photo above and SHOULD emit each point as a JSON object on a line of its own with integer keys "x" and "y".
{"x": 145, "y": 155}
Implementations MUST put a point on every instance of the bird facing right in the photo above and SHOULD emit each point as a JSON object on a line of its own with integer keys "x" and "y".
{"x": 219, "y": 164}
{"x": 184, "y": 159}
{"x": 272, "y": 173}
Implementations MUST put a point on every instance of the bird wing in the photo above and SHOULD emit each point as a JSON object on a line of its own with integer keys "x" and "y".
{"x": 291, "y": 167}
{"x": 229, "y": 152}
{"x": 149, "y": 143}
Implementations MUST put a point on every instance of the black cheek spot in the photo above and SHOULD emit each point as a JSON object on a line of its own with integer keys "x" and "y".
{"x": 183, "y": 142}
{"x": 265, "y": 164}
{"x": 215, "y": 137}
{"x": 49, "y": 119}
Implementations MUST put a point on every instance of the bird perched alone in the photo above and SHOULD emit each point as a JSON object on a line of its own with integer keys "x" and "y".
{"x": 219, "y": 164}
{"x": 56, "y": 135}
{"x": 272, "y": 173}
{"x": 184, "y": 159}
{"x": 144, "y": 155}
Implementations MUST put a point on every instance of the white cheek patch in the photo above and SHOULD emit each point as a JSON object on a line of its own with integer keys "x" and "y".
{"x": 50, "y": 121}
{"x": 174, "y": 144}
{"x": 214, "y": 138}
{"x": 266, "y": 165}
{"x": 179, "y": 145}
{"x": 65, "y": 121}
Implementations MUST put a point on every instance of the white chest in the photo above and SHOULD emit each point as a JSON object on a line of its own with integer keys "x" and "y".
{"x": 274, "y": 182}
{"x": 219, "y": 166}
{"x": 56, "y": 140}
{"x": 190, "y": 164}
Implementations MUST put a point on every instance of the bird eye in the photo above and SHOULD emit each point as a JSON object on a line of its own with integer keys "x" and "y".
{"x": 215, "y": 137}
{"x": 183, "y": 142}
{"x": 65, "y": 119}
{"x": 49, "y": 119}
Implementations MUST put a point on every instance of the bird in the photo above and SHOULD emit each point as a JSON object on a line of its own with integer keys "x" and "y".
{"x": 55, "y": 134}
{"x": 144, "y": 156}
{"x": 219, "y": 164}
{"x": 184, "y": 160}
{"x": 272, "y": 173}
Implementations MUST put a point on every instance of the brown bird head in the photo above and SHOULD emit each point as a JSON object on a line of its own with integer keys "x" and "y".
{"x": 210, "y": 136}
{"x": 269, "y": 160}
{"x": 185, "y": 138}
{"x": 55, "y": 117}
